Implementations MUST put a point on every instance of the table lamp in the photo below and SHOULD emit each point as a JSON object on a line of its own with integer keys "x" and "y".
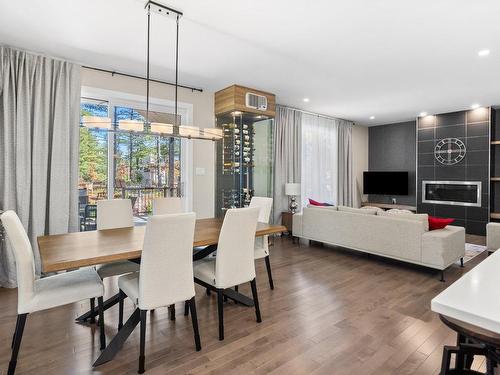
{"x": 292, "y": 190}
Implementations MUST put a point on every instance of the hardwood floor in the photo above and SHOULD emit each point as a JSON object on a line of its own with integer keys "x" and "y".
{"x": 333, "y": 311}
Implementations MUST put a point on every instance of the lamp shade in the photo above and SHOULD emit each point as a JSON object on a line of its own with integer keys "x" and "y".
{"x": 292, "y": 189}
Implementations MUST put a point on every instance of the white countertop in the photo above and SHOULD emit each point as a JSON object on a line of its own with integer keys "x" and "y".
{"x": 475, "y": 297}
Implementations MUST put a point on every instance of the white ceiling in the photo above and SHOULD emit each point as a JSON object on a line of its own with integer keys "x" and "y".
{"x": 391, "y": 59}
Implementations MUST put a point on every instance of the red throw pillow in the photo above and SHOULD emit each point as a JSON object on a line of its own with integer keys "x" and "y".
{"x": 438, "y": 222}
{"x": 315, "y": 203}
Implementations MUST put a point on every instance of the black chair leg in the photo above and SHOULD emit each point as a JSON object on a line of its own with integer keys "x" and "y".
{"x": 194, "y": 318}
{"x": 171, "y": 311}
{"x": 253, "y": 284}
{"x": 220, "y": 308}
{"x": 142, "y": 356}
{"x": 269, "y": 274}
{"x": 18, "y": 335}
{"x": 102, "y": 333}
{"x": 14, "y": 335}
{"x": 186, "y": 308}
{"x": 92, "y": 308}
{"x": 208, "y": 292}
{"x": 121, "y": 297}
{"x": 236, "y": 287}
{"x": 461, "y": 262}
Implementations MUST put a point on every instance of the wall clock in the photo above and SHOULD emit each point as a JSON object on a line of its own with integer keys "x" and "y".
{"x": 449, "y": 151}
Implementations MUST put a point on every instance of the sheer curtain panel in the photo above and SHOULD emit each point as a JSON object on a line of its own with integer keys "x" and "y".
{"x": 319, "y": 159}
{"x": 326, "y": 160}
{"x": 39, "y": 117}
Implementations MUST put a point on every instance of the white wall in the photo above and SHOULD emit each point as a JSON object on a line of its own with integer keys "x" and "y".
{"x": 203, "y": 116}
{"x": 359, "y": 161}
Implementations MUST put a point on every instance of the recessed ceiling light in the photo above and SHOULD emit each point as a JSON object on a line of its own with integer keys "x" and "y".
{"x": 372, "y": 117}
{"x": 483, "y": 52}
{"x": 423, "y": 114}
{"x": 306, "y": 100}
{"x": 475, "y": 106}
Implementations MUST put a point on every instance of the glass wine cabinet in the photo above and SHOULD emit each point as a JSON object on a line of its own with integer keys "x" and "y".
{"x": 243, "y": 158}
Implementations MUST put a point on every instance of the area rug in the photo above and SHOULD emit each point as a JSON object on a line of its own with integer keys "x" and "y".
{"x": 471, "y": 251}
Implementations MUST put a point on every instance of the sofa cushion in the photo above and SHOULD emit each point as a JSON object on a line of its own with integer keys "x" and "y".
{"x": 423, "y": 218}
{"x": 363, "y": 211}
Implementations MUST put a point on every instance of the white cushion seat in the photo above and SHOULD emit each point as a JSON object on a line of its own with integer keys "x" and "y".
{"x": 116, "y": 268}
{"x": 204, "y": 270}
{"x": 64, "y": 288}
{"x": 129, "y": 284}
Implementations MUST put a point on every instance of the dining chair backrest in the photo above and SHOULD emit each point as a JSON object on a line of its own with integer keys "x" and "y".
{"x": 265, "y": 205}
{"x": 114, "y": 213}
{"x": 166, "y": 273}
{"x": 23, "y": 255}
{"x": 168, "y": 205}
{"x": 235, "y": 251}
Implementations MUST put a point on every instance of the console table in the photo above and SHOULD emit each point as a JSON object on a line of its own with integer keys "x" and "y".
{"x": 388, "y": 206}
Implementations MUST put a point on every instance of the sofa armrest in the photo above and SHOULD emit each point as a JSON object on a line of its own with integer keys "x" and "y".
{"x": 493, "y": 236}
{"x": 443, "y": 247}
{"x": 297, "y": 225}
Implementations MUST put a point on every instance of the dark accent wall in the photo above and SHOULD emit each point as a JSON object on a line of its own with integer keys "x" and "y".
{"x": 473, "y": 128}
{"x": 392, "y": 147}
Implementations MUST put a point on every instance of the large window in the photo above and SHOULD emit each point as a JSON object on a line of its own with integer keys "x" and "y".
{"x": 319, "y": 174}
{"x": 125, "y": 164}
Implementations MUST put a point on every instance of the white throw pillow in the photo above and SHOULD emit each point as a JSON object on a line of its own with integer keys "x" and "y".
{"x": 362, "y": 211}
{"x": 372, "y": 208}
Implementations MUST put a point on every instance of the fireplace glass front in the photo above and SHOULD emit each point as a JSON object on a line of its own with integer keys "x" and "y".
{"x": 463, "y": 193}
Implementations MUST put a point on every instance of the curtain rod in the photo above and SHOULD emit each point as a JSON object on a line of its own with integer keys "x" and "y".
{"x": 112, "y": 72}
{"x": 315, "y": 114}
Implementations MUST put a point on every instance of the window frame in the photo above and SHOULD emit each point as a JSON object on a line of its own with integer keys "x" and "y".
{"x": 123, "y": 99}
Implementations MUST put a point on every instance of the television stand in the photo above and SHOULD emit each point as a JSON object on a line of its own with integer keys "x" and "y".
{"x": 389, "y": 206}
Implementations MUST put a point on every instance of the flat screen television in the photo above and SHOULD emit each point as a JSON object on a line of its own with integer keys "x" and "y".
{"x": 385, "y": 183}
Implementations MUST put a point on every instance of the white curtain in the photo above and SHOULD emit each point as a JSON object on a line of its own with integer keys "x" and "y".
{"x": 39, "y": 139}
{"x": 319, "y": 159}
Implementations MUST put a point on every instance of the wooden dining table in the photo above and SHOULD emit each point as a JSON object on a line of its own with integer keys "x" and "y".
{"x": 63, "y": 252}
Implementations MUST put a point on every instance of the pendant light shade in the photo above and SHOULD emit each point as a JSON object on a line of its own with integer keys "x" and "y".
{"x": 189, "y": 131}
{"x": 211, "y": 133}
{"x": 131, "y": 125}
{"x": 96, "y": 122}
{"x": 162, "y": 128}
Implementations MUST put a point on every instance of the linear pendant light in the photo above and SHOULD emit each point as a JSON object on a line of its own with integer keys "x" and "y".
{"x": 172, "y": 130}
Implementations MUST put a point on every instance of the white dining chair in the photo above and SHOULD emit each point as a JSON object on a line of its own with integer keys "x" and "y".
{"x": 166, "y": 272}
{"x": 262, "y": 243}
{"x": 48, "y": 292}
{"x": 114, "y": 214}
{"x": 234, "y": 263}
{"x": 167, "y": 205}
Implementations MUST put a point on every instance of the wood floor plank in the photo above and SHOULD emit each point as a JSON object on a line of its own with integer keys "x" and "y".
{"x": 333, "y": 311}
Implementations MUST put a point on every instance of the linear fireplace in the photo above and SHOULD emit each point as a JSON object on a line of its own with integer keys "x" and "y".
{"x": 457, "y": 193}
